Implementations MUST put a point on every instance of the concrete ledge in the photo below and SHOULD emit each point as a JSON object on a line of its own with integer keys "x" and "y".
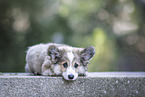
{"x": 98, "y": 84}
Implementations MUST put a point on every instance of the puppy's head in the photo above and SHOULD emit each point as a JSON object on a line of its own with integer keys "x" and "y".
{"x": 70, "y": 62}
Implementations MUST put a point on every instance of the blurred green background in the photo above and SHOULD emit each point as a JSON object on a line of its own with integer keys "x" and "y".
{"x": 115, "y": 27}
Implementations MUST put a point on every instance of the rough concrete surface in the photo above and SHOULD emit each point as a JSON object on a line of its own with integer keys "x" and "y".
{"x": 98, "y": 84}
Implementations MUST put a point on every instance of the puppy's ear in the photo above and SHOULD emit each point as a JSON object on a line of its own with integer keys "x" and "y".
{"x": 54, "y": 53}
{"x": 87, "y": 53}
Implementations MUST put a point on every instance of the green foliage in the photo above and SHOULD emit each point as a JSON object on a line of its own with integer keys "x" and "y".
{"x": 114, "y": 27}
{"x": 106, "y": 51}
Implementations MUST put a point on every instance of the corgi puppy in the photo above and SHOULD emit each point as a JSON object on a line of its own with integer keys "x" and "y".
{"x": 58, "y": 59}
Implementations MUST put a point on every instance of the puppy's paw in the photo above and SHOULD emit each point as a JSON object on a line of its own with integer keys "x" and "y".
{"x": 47, "y": 72}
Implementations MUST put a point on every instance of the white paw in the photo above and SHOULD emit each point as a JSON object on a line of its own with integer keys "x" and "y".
{"x": 47, "y": 72}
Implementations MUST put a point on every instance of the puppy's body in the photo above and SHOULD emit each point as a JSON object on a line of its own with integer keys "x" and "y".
{"x": 58, "y": 59}
{"x": 36, "y": 56}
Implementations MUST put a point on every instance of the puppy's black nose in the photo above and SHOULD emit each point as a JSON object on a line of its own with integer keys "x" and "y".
{"x": 71, "y": 76}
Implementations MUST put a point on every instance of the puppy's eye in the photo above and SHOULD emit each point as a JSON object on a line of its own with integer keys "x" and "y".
{"x": 76, "y": 65}
{"x": 65, "y": 65}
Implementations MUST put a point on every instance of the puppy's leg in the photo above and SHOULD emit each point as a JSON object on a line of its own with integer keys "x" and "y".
{"x": 47, "y": 72}
{"x": 46, "y": 67}
{"x": 27, "y": 68}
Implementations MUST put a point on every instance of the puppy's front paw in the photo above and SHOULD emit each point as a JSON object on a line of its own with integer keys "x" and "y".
{"x": 47, "y": 72}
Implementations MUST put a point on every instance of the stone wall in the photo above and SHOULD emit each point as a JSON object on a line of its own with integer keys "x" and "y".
{"x": 97, "y": 84}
